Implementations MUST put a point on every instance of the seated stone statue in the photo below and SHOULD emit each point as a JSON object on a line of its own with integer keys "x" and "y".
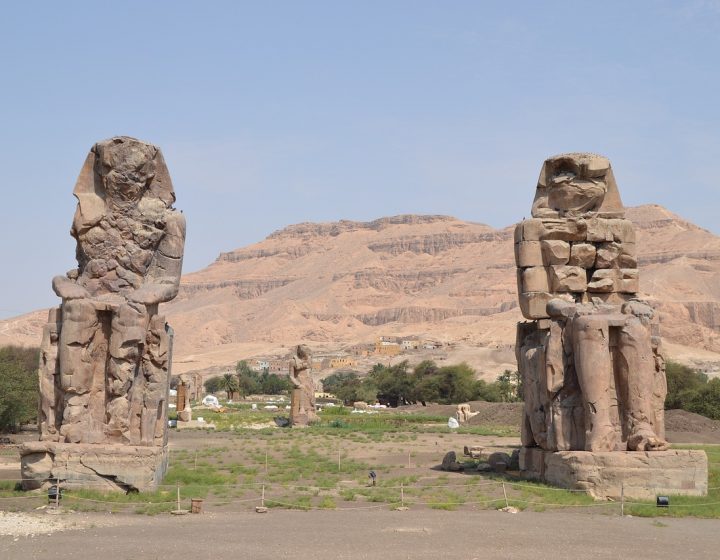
{"x": 593, "y": 372}
{"x": 111, "y": 346}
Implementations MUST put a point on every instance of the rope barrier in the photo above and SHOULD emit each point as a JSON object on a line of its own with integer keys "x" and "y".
{"x": 71, "y": 497}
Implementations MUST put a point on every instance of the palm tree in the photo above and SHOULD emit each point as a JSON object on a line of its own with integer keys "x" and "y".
{"x": 229, "y": 384}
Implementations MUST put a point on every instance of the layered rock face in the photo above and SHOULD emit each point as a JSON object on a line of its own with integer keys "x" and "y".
{"x": 590, "y": 356}
{"x": 446, "y": 279}
{"x": 106, "y": 351}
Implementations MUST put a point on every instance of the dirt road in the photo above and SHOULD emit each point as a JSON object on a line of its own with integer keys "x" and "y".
{"x": 321, "y": 535}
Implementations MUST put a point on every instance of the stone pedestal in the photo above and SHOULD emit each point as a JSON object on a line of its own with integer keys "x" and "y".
{"x": 120, "y": 468}
{"x": 642, "y": 474}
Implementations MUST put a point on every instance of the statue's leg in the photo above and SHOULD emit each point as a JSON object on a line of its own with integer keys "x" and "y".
{"x": 50, "y": 404}
{"x": 593, "y": 364}
{"x": 636, "y": 369}
{"x": 536, "y": 411}
{"x": 127, "y": 340}
{"x": 80, "y": 326}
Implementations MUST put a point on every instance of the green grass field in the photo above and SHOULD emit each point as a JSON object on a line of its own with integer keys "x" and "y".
{"x": 325, "y": 466}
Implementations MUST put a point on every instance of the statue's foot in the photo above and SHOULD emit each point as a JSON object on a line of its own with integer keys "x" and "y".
{"x": 646, "y": 440}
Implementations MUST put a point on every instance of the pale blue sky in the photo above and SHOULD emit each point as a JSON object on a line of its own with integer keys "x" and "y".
{"x": 272, "y": 113}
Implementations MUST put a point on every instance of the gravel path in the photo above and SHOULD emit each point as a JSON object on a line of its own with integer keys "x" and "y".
{"x": 374, "y": 534}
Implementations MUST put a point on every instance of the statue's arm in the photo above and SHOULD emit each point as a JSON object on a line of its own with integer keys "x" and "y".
{"x": 163, "y": 278}
{"x": 292, "y": 373}
{"x": 66, "y": 288}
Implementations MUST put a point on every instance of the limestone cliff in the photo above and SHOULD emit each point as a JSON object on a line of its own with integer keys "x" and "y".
{"x": 340, "y": 283}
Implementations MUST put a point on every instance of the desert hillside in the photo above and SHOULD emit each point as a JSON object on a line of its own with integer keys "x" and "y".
{"x": 333, "y": 285}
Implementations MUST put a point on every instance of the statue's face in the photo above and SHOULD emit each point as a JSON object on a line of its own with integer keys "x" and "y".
{"x": 126, "y": 167}
{"x": 570, "y": 190}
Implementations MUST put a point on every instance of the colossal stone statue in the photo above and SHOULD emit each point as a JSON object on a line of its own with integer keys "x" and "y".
{"x": 590, "y": 356}
{"x": 302, "y": 406}
{"x": 106, "y": 352}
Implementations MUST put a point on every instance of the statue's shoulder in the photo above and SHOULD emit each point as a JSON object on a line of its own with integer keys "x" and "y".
{"x": 175, "y": 221}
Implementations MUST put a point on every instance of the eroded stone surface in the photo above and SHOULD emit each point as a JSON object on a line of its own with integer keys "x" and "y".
{"x": 638, "y": 475}
{"x": 111, "y": 467}
{"x": 302, "y": 405}
{"x": 106, "y": 351}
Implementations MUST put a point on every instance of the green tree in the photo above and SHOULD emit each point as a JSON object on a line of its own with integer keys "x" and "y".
{"x": 683, "y": 384}
{"x": 248, "y": 379}
{"x": 334, "y": 381}
{"x": 394, "y": 383}
{"x": 19, "y": 389}
{"x": 509, "y": 386}
{"x": 490, "y": 392}
{"x": 707, "y": 400}
{"x": 272, "y": 384}
{"x": 229, "y": 384}
{"x": 213, "y": 385}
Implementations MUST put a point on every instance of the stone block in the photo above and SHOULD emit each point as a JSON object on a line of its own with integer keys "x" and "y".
{"x": 518, "y": 232}
{"x": 629, "y": 249}
{"x": 533, "y": 304}
{"x": 568, "y": 279}
{"x": 528, "y": 253}
{"x": 641, "y": 475}
{"x": 534, "y": 279}
{"x": 629, "y": 281}
{"x": 532, "y": 462}
{"x": 564, "y": 229}
{"x": 599, "y": 230}
{"x": 622, "y": 230}
{"x": 531, "y": 230}
{"x": 608, "y": 255}
{"x": 582, "y": 254}
{"x": 104, "y": 467}
{"x": 628, "y": 256}
{"x": 555, "y": 251}
{"x": 604, "y": 280}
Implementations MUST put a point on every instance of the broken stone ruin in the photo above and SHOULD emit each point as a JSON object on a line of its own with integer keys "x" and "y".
{"x": 106, "y": 352}
{"x": 302, "y": 399}
{"x": 590, "y": 354}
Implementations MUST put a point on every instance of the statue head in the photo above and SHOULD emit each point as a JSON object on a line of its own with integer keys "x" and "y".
{"x": 126, "y": 166}
{"x": 120, "y": 171}
{"x": 576, "y": 184}
{"x": 303, "y": 352}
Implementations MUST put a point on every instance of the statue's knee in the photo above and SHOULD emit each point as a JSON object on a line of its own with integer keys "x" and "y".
{"x": 78, "y": 311}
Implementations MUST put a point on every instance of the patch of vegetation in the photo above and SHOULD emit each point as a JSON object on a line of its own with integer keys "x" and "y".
{"x": 691, "y": 390}
{"x": 427, "y": 382}
{"x": 19, "y": 387}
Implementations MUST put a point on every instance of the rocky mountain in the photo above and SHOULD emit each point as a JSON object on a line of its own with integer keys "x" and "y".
{"x": 336, "y": 284}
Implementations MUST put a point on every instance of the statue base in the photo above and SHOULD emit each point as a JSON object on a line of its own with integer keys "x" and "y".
{"x": 639, "y": 475}
{"x": 103, "y": 467}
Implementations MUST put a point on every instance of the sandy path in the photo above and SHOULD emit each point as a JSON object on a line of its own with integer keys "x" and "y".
{"x": 373, "y": 534}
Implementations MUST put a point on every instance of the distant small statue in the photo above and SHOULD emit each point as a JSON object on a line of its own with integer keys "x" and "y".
{"x": 302, "y": 407}
{"x": 184, "y": 392}
{"x": 463, "y": 413}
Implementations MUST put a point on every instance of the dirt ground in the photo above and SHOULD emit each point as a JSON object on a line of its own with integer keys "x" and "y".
{"x": 680, "y": 426}
{"x": 235, "y": 530}
{"x": 369, "y": 534}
